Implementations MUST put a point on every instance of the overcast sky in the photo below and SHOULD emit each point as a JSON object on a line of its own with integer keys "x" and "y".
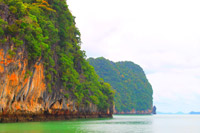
{"x": 162, "y": 36}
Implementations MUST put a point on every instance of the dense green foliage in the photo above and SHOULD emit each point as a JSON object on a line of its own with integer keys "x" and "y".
{"x": 133, "y": 91}
{"x": 47, "y": 31}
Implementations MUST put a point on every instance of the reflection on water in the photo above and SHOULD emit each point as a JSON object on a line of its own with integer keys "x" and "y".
{"x": 119, "y": 124}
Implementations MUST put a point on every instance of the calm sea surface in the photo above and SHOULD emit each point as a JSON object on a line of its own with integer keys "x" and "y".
{"x": 118, "y": 124}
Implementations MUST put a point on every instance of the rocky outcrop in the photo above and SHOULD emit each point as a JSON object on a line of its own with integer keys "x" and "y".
{"x": 154, "y": 110}
{"x": 24, "y": 95}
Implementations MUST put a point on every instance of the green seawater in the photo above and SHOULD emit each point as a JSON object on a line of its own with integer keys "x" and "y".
{"x": 118, "y": 124}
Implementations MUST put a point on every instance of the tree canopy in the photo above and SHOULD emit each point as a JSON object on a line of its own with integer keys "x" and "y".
{"x": 133, "y": 91}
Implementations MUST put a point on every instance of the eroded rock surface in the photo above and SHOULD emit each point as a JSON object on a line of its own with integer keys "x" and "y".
{"x": 24, "y": 97}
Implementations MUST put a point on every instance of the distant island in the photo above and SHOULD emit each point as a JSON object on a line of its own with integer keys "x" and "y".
{"x": 178, "y": 113}
{"x": 133, "y": 92}
{"x": 170, "y": 113}
{"x": 194, "y": 113}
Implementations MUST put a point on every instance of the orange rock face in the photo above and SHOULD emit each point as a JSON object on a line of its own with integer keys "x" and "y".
{"x": 20, "y": 90}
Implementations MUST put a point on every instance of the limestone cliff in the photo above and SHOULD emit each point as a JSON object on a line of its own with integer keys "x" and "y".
{"x": 43, "y": 72}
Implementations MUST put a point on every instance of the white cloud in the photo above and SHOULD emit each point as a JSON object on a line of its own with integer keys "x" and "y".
{"x": 161, "y": 36}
